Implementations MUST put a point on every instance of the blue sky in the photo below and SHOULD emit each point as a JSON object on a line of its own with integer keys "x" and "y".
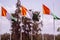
{"x": 54, "y": 6}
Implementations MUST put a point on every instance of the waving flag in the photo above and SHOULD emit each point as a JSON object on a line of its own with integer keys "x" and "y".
{"x": 23, "y": 10}
{"x": 47, "y": 11}
{"x": 4, "y": 11}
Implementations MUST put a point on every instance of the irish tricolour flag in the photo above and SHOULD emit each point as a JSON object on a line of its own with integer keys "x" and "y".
{"x": 47, "y": 11}
{"x": 4, "y": 13}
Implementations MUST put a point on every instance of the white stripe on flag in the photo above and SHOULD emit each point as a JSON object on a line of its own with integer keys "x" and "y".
{"x": 0, "y": 10}
{"x": 8, "y": 16}
{"x": 29, "y": 14}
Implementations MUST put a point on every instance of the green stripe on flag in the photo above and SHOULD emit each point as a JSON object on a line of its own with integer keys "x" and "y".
{"x": 13, "y": 18}
{"x": 55, "y": 17}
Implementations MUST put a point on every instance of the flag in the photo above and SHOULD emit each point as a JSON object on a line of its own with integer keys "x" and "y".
{"x": 46, "y": 10}
{"x": 26, "y": 12}
{"x": 30, "y": 13}
{"x": 4, "y": 11}
{"x": 8, "y": 16}
{"x": 13, "y": 18}
{"x": 23, "y": 10}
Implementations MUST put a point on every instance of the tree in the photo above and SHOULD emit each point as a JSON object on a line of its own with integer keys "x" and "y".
{"x": 5, "y": 36}
{"x": 24, "y": 23}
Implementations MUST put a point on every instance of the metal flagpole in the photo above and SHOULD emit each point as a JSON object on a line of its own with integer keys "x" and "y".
{"x": 0, "y": 28}
{"x": 43, "y": 25}
{"x": 10, "y": 36}
{"x": 31, "y": 34}
{"x": 54, "y": 27}
{"x": 0, "y": 37}
{"x": 21, "y": 34}
{"x": 19, "y": 5}
{"x": 42, "y": 33}
{"x": 31, "y": 27}
{"x": 42, "y": 36}
{"x": 53, "y": 22}
{"x": 21, "y": 29}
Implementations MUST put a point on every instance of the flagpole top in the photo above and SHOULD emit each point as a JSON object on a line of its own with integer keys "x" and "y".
{"x": 18, "y": 4}
{"x": 18, "y": 0}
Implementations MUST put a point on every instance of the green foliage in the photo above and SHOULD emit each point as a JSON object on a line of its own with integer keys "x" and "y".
{"x": 35, "y": 16}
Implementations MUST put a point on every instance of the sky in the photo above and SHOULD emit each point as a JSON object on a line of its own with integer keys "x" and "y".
{"x": 36, "y": 5}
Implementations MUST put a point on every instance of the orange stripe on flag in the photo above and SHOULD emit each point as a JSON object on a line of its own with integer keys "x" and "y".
{"x": 23, "y": 10}
{"x": 4, "y": 11}
{"x": 46, "y": 10}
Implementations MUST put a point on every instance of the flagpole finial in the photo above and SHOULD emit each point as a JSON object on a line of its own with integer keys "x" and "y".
{"x": 18, "y": 4}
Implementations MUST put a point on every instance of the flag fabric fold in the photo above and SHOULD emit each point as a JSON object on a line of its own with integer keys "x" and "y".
{"x": 4, "y": 11}
{"x": 46, "y": 10}
{"x": 23, "y": 10}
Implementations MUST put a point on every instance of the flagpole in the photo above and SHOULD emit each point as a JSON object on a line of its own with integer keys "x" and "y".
{"x": 21, "y": 28}
{"x": 54, "y": 27}
{"x": 31, "y": 34}
{"x": 42, "y": 26}
{"x": 31, "y": 27}
{"x": 0, "y": 37}
{"x": 19, "y": 5}
{"x": 21, "y": 34}
{"x": 53, "y": 22}
{"x": 0, "y": 28}
{"x": 10, "y": 36}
